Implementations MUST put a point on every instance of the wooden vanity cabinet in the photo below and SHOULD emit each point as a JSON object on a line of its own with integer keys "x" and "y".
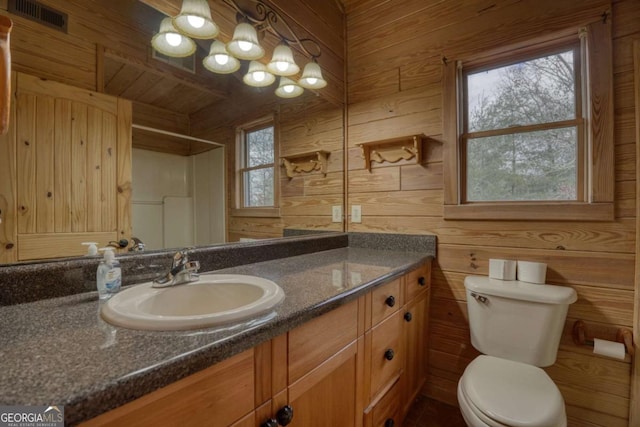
{"x": 220, "y": 396}
{"x": 361, "y": 364}
{"x": 387, "y": 411}
{"x": 322, "y": 363}
{"x": 396, "y": 381}
{"x": 416, "y": 318}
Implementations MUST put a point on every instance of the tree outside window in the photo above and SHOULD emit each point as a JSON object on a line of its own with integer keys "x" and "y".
{"x": 257, "y": 171}
{"x": 522, "y": 135}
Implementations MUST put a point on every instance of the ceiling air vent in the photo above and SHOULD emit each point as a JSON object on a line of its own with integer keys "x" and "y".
{"x": 40, "y": 13}
{"x": 185, "y": 64}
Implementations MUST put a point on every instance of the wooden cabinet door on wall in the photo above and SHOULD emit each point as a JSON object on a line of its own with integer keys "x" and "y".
{"x": 322, "y": 363}
{"x": 416, "y": 318}
{"x": 72, "y": 167}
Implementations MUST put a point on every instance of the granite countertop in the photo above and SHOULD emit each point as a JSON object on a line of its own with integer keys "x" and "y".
{"x": 59, "y": 351}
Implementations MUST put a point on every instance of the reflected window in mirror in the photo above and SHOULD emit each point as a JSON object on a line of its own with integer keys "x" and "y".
{"x": 256, "y": 171}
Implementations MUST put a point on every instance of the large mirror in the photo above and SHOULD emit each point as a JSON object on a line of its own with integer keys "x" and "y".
{"x": 185, "y": 121}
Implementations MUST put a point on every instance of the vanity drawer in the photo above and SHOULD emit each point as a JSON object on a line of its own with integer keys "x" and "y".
{"x": 386, "y": 411}
{"x": 387, "y": 352}
{"x": 385, "y": 301}
{"x": 417, "y": 281}
{"x": 317, "y": 340}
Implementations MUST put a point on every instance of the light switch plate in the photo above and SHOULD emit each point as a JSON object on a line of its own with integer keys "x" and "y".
{"x": 356, "y": 213}
{"x": 336, "y": 213}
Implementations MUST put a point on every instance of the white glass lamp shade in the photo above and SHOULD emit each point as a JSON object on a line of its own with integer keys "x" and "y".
{"x": 244, "y": 44}
{"x": 170, "y": 42}
{"x": 219, "y": 60}
{"x": 312, "y": 77}
{"x": 288, "y": 88}
{"x": 195, "y": 20}
{"x": 258, "y": 75}
{"x": 282, "y": 63}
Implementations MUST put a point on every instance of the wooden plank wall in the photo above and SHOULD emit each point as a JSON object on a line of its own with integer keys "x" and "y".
{"x": 306, "y": 199}
{"x": 306, "y": 123}
{"x": 394, "y": 89}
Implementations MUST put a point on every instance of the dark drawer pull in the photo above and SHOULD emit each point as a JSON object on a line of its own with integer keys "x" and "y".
{"x": 284, "y": 415}
{"x": 389, "y": 354}
{"x": 269, "y": 423}
{"x": 408, "y": 316}
{"x": 421, "y": 281}
{"x": 390, "y": 301}
{"x": 389, "y": 422}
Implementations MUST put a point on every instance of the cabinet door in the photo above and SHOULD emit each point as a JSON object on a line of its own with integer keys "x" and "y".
{"x": 416, "y": 332}
{"x": 216, "y": 397}
{"x": 310, "y": 344}
{"x": 326, "y": 396}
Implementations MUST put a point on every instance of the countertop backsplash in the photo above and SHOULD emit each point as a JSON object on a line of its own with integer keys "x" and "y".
{"x": 33, "y": 281}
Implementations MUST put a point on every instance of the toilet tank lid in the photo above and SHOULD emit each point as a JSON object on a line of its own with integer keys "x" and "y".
{"x": 515, "y": 289}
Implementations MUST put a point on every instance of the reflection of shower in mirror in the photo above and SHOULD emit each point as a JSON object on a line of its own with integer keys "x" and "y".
{"x": 178, "y": 201}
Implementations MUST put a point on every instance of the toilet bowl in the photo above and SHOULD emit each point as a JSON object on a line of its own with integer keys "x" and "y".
{"x": 517, "y": 326}
{"x": 498, "y": 392}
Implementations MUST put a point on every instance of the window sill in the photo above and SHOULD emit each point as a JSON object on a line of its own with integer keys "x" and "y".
{"x": 531, "y": 211}
{"x": 256, "y": 212}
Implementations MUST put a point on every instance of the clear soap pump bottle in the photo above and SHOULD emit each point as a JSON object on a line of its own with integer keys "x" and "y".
{"x": 109, "y": 275}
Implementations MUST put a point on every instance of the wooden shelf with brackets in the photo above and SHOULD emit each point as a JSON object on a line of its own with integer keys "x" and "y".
{"x": 393, "y": 150}
{"x": 306, "y": 162}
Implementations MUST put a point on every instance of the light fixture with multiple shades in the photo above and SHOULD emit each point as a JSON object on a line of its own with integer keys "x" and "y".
{"x": 245, "y": 44}
{"x": 312, "y": 76}
{"x": 282, "y": 63}
{"x": 194, "y": 20}
{"x": 219, "y": 60}
{"x": 170, "y": 42}
{"x": 258, "y": 75}
{"x": 288, "y": 88}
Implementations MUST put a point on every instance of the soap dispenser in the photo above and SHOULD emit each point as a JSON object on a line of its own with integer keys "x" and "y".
{"x": 92, "y": 249}
{"x": 109, "y": 275}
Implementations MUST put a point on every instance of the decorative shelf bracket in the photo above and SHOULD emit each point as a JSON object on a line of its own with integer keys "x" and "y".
{"x": 306, "y": 162}
{"x": 392, "y": 150}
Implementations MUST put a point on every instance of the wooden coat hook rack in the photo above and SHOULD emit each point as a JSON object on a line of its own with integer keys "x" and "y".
{"x": 623, "y": 335}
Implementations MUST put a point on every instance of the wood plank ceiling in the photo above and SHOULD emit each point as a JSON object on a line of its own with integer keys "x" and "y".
{"x": 161, "y": 84}
{"x": 133, "y": 82}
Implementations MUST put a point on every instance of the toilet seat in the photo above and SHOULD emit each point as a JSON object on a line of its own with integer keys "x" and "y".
{"x": 502, "y": 392}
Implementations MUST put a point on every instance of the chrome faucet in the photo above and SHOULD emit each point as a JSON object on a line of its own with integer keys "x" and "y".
{"x": 182, "y": 271}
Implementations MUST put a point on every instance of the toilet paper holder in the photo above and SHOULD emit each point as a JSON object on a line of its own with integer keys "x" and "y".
{"x": 580, "y": 337}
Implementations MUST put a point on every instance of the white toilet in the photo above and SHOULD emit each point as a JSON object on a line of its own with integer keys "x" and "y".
{"x": 518, "y": 326}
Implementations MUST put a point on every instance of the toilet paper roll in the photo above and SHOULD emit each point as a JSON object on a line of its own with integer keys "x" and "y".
{"x": 609, "y": 348}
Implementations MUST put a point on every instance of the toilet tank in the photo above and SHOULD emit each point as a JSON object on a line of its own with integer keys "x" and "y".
{"x": 517, "y": 320}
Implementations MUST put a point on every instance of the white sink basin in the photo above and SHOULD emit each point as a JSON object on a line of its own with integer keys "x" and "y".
{"x": 215, "y": 299}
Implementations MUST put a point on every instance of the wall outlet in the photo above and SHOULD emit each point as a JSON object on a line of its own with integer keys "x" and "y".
{"x": 336, "y": 213}
{"x": 356, "y": 213}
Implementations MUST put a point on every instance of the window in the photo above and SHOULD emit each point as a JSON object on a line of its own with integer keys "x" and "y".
{"x": 256, "y": 171}
{"x": 528, "y": 131}
{"x": 523, "y": 136}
